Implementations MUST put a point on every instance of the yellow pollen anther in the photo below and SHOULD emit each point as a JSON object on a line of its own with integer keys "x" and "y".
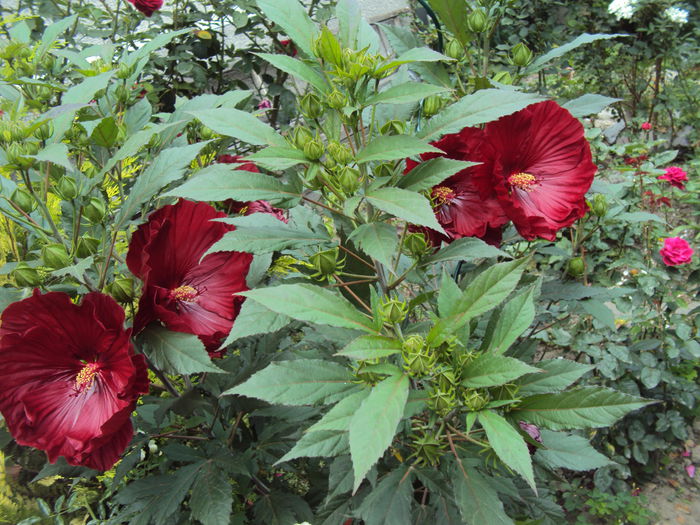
{"x": 184, "y": 293}
{"x": 521, "y": 180}
{"x": 442, "y": 195}
{"x": 86, "y": 376}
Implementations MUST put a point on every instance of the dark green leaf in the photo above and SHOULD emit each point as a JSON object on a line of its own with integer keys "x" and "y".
{"x": 556, "y": 375}
{"x": 278, "y": 158}
{"x": 466, "y": 248}
{"x": 318, "y": 444}
{"x": 392, "y": 147}
{"x": 371, "y": 347}
{"x": 453, "y": 13}
{"x": 378, "y": 240}
{"x": 291, "y": 16}
{"x": 212, "y": 498}
{"x": 296, "y": 68}
{"x": 389, "y": 503}
{"x": 508, "y": 444}
{"x": 300, "y": 382}
{"x": 407, "y": 205}
{"x": 585, "y": 38}
{"x": 600, "y": 311}
{"x": 432, "y": 172}
{"x": 177, "y": 352}
{"x": 373, "y": 426}
{"x": 493, "y": 370}
{"x": 562, "y": 450}
{"x": 477, "y": 501}
{"x": 588, "y": 104}
{"x": 405, "y": 93}
{"x": 338, "y": 418}
{"x": 507, "y": 324}
{"x": 238, "y": 124}
{"x": 105, "y": 133}
{"x": 313, "y": 304}
{"x": 254, "y": 319}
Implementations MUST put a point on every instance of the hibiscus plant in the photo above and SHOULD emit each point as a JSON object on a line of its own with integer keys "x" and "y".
{"x": 333, "y": 317}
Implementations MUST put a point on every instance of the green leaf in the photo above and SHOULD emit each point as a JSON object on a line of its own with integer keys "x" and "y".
{"x": 278, "y": 158}
{"x": 313, "y": 304}
{"x": 392, "y": 147}
{"x": 556, "y": 375}
{"x": 562, "y": 450}
{"x": 466, "y": 248}
{"x": 299, "y": 382}
{"x": 580, "y": 40}
{"x": 211, "y": 498}
{"x": 588, "y": 104}
{"x": 404, "y": 204}
{"x": 453, "y": 13}
{"x": 638, "y": 216}
{"x": 389, "y": 503}
{"x": 160, "y": 40}
{"x": 321, "y": 444}
{"x": 77, "y": 271}
{"x": 477, "y": 501}
{"x": 371, "y": 347}
{"x": 56, "y": 153}
{"x": 432, "y": 172}
{"x": 338, "y": 418}
{"x": 220, "y": 182}
{"x": 374, "y": 424}
{"x": 483, "y": 106}
{"x": 600, "y": 311}
{"x": 177, "y": 352}
{"x": 405, "y": 93}
{"x": 508, "y": 444}
{"x": 105, "y": 133}
{"x": 238, "y": 124}
{"x": 296, "y": 68}
{"x": 51, "y": 33}
{"x": 75, "y": 98}
{"x": 254, "y": 319}
{"x": 291, "y": 16}
{"x": 266, "y": 234}
{"x": 493, "y": 370}
{"x": 592, "y": 407}
{"x": 378, "y": 240}
{"x": 167, "y": 167}
{"x": 507, "y": 324}
{"x": 449, "y": 296}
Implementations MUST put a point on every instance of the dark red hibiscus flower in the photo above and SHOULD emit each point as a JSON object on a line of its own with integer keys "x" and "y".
{"x": 147, "y": 7}
{"x": 247, "y": 208}
{"x": 182, "y": 290}
{"x": 465, "y": 204}
{"x": 544, "y": 170}
{"x": 69, "y": 379}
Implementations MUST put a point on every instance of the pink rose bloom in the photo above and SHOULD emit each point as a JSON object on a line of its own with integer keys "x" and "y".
{"x": 676, "y": 251}
{"x": 147, "y": 7}
{"x": 646, "y": 126}
{"x": 675, "y": 177}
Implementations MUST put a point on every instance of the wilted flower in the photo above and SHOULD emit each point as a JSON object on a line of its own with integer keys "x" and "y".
{"x": 675, "y": 176}
{"x": 147, "y": 7}
{"x": 676, "y": 251}
{"x": 185, "y": 290}
{"x": 677, "y": 16}
{"x": 70, "y": 379}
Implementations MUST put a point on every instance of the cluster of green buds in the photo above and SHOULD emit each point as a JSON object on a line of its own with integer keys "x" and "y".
{"x": 18, "y": 56}
{"x": 326, "y": 263}
{"x": 20, "y": 155}
{"x": 340, "y": 154}
{"x": 418, "y": 357}
{"x": 349, "y": 179}
{"x": 349, "y": 65}
{"x": 12, "y": 131}
{"x": 427, "y": 446}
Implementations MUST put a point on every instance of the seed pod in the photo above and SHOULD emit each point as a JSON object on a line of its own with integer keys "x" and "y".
{"x": 432, "y": 105}
{"x": 66, "y": 188}
{"x": 55, "y": 256}
{"x": 341, "y": 154}
{"x": 478, "y": 21}
{"x": 393, "y": 310}
{"x": 454, "y": 49}
{"x": 87, "y": 246}
{"x": 25, "y": 276}
{"x": 599, "y": 205}
{"x": 325, "y": 262}
{"x": 336, "y": 100}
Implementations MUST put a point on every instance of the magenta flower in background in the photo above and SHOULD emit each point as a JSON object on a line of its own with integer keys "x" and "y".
{"x": 265, "y": 104}
{"x": 690, "y": 469}
{"x": 147, "y": 7}
{"x": 646, "y": 126}
{"x": 675, "y": 176}
{"x": 676, "y": 251}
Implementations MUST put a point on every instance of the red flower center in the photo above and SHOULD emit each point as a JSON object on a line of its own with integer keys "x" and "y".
{"x": 522, "y": 180}
{"x": 184, "y": 293}
{"x": 443, "y": 195}
{"x": 86, "y": 376}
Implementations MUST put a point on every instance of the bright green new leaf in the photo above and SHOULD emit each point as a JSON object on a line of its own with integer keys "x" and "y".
{"x": 493, "y": 370}
{"x": 291, "y": 16}
{"x": 238, "y": 124}
{"x": 591, "y": 407}
{"x": 371, "y": 347}
{"x": 177, "y": 352}
{"x": 562, "y": 450}
{"x": 453, "y": 13}
{"x": 407, "y": 205}
{"x": 556, "y": 375}
{"x": 508, "y": 444}
{"x": 373, "y": 426}
{"x": 432, "y": 172}
{"x": 392, "y": 147}
{"x": 313, "y": 304}
{"x": 299, "y": 382}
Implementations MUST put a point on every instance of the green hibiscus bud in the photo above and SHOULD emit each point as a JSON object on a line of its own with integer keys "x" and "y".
{"x": 313, "y": 150}
{"x": 442, "y": 401}
{"x": 349, "y": 179}
{"x": 427, "y": 448}
{"x": 454, "y": 49}
{"x": 206, "y": 133}
{"x": 301, "y": 136}
{"x": 521, "y": 55}
{"x": 325, "y": 262}
{"x": 576, "y": 266}
{"x": 311, "y": 106}
{"x": 393, "y": 127}
{"x": 413, "y": 344}
{"x": 341, "y": 154}
{"x": 55, "y": 256}
{"x": 336, "y": 100}
{"x": 25, "y": 276}
{"x": 87, "y": 246}
{"x": 478, "y": 21}
{"x": 16, "y": 155}
{"x": 96, "y": 210}
{"x": 432, "y": 105}
{"x": 124, "y": 71}
{"x": 45, "y": 131}
{"x": 599, "y": 205}
{"x": 393, "y": 310}
{"x": 122, "y": 289}
{"x": 475, "y": 400}
{"x": 416, "y": 244}
{"x": 66, "y": 188}
{"x": 23, "y": 200}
